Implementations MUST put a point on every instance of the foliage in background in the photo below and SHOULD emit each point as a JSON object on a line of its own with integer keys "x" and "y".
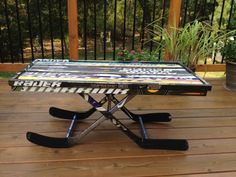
{"x": 203, "y": 11}
{"x": 136, "y": 55}
{"x": 195, "y": 41}
{"x": 225, "y": 15}
{"x": 25, "y": 23}
{"x": 229, "y": 50}
{"x": 7, "y": 74}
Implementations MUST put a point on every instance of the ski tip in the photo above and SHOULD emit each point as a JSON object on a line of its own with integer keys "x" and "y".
{"x": 52, "y": 110}
{"x": 47, "y": 141}
{"x": 28, "y": 135}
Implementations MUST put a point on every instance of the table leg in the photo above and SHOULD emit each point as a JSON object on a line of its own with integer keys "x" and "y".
{"x": 150, "y": 117}
{"x": 171, "y": 144}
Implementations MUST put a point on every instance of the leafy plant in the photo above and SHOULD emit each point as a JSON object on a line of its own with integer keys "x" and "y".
{"x": 194, "y": 41}
{"x": 136, "y": 55}
{"x": 7, "y": 74}
{"x": 229, "y": 50}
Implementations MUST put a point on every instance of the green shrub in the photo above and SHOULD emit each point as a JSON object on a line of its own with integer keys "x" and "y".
{"x": 229, "y": 50}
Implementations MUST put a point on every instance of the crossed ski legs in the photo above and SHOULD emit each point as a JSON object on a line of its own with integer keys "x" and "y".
{"x": 107, "y": 113}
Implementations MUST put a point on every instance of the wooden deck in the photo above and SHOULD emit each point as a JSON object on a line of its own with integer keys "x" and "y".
{"x": 209, "y": 124}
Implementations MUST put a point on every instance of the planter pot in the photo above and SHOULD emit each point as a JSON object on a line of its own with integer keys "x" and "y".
{"x": 231, "y": 75}
{"x": 193, "y": 68}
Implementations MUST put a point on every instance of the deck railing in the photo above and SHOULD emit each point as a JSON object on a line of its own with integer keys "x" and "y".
{"x": 38, "y": 28}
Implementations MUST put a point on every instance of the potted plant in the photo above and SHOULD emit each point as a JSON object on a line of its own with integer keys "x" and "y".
{"x": 135, "y": 55}
{"x": 229, "y": 53}
{"x": 189, "y": 44}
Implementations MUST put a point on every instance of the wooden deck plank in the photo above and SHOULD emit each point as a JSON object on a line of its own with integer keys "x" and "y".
{"x": 220, "y": 174}
{"x": 50, "y": 124}
{"x": 34, "y": 154}
{"x": 176, "y": 113}
{"x": 125, "y": 167}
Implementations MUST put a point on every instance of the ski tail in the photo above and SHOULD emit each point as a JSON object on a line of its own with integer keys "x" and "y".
{"x": 169, "y": 144}
{"x": 66, "y": 114}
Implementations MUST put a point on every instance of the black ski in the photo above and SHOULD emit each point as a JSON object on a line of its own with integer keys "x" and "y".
{"x": 150, "y": 117}
{"x": 47, "y": 141}
{"x": 52, "y": 142}
{"x": 66, "y": 114}
{"x": 169, "y": 144}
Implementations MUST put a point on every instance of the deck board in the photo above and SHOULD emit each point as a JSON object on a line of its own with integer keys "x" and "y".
{"x": 129, "y": 166}
{"x": 209, "y": 124}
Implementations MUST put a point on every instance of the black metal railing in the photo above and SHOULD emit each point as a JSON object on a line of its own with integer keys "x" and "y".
{"x": 38, "y": 28}
{"x": 32, "y": 29}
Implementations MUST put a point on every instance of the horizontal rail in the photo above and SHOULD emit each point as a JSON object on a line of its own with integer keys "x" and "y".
{"x": 9, "y": 67}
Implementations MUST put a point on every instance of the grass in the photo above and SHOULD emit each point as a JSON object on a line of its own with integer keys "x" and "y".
{"x": 219, "y": 75}
{"x": 6, "y": 75}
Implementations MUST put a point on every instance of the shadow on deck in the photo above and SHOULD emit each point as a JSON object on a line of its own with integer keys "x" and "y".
{"x": 209, "y": 124}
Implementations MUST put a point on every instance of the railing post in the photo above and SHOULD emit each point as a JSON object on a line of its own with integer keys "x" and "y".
{"x": 173, "y": 19}
{"x": 73, "y": 29}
